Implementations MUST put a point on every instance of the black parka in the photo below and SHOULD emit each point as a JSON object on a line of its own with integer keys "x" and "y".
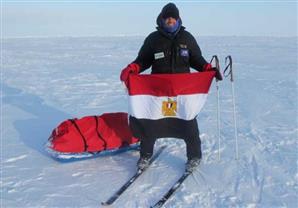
{"x": 168, "y": 53}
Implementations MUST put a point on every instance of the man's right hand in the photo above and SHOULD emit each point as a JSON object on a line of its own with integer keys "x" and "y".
{"x": 132, "y": 68}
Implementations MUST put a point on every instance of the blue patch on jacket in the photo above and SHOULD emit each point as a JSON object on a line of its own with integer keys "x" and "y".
{"x": 184, "y": 52}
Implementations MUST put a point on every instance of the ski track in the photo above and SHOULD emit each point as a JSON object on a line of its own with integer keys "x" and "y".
{"x": 48, "y": 80}
{"x": 15, "y": 159}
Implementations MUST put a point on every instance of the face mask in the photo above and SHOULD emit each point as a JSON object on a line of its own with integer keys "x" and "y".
{"x": 171, "y": 29}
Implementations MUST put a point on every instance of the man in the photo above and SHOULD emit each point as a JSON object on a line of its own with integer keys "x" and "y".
{"x": 170, "y": 49}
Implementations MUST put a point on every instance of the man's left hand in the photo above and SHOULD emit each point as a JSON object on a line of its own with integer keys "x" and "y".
{"x": 218, "y": 75}
{"x": 208, "y": 67}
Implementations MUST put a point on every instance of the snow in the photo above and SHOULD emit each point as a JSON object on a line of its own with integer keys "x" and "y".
{"x": 48, "y": 80}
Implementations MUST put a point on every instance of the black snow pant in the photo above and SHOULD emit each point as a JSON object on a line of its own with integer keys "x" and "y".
{"x": 193, "y": 147}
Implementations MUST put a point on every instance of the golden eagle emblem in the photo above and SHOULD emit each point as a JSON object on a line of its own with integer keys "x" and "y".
{"x": 169, "y": 107}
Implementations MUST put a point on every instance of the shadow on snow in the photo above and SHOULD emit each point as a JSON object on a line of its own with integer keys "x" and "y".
{"x": 34, "y": 132}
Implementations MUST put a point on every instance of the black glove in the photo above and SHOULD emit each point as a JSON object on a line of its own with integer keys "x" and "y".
{"x": 218, "y": 75}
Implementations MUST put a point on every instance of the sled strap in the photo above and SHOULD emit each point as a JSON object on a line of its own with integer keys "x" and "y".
{"x": 84, "y": 139}
{"x": 124, "y": 144}
{"x": 99, "y": 135}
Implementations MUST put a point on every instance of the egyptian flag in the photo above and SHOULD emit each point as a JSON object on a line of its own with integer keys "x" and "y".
{"x": 166, "y": 105}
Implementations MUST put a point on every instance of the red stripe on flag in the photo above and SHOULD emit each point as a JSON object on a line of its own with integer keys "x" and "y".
{"x": 170, "y": 84}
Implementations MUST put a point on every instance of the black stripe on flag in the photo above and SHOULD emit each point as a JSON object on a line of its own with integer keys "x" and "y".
{"x": 166, "y": 127}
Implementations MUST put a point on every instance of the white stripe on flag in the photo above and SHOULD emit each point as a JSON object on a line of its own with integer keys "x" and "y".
{"x": 151, "y": 107}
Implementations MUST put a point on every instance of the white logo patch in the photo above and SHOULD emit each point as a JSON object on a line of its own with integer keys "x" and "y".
{"x": 159, "y": 55}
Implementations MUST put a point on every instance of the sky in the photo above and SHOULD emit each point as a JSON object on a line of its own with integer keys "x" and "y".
{"x": 112, "y": 18}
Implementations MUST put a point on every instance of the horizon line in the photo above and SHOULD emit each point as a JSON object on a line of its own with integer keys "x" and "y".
{"x": 140, "y": 35}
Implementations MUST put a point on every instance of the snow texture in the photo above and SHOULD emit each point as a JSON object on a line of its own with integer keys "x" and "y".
{"x": 48, "y": 80}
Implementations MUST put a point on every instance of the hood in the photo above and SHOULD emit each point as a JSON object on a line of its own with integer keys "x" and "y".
{"x": 168, "y": 10}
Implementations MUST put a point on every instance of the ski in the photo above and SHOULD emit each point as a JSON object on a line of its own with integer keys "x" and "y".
{"x": 139, "y": 172}
{"x": 172, "y": 190}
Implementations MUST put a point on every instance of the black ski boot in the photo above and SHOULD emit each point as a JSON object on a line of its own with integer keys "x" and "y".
{"x": 192, "y": 164}
{"x": 143, "y": 162}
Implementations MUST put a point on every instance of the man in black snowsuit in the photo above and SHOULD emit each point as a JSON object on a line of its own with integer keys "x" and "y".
{"x": 170, "y": 49}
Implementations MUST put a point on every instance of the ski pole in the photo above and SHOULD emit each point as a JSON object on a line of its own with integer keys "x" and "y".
{"x": 215, "y": 58}
{"x": 229, "y": 67}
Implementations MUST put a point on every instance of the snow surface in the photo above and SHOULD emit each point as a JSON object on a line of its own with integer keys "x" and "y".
{"x": 48, "y": 80}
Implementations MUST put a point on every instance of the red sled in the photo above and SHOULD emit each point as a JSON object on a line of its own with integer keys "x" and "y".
{"x": 91, "y": 135}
